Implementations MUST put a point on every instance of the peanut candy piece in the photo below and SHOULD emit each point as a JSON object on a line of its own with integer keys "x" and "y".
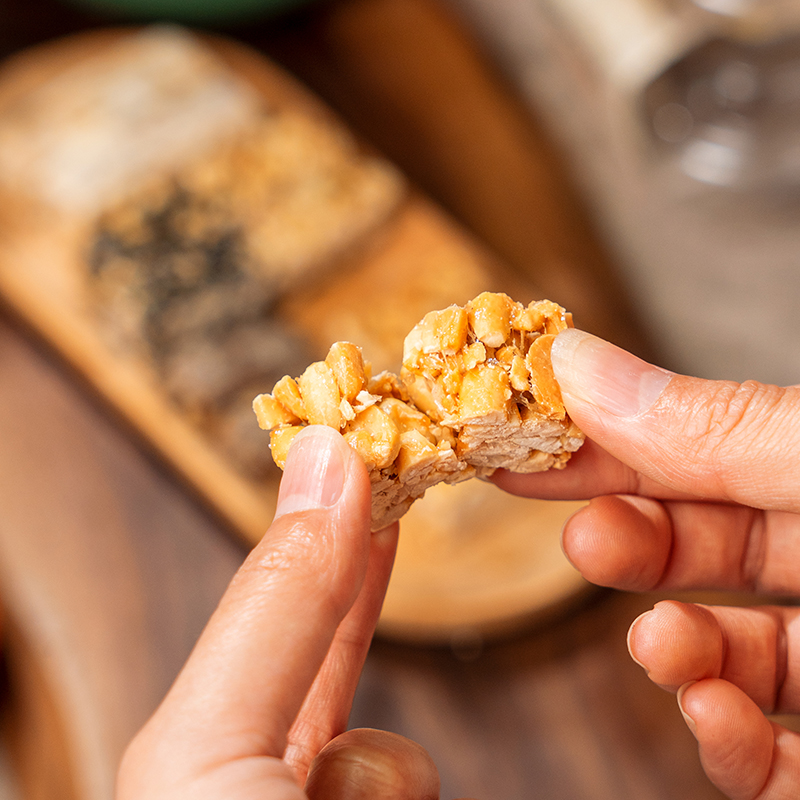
{"x": 404, "y": 451}
{"x": 476, "y": 392}
{"x": 507, "y": 410}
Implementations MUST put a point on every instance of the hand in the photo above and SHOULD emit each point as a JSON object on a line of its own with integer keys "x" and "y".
{"x": 696, "y": 485}
{"x": 259, "y": 709}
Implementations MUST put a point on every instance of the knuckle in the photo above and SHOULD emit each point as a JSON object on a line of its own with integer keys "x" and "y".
{"x": 302, "y": 552}
{"x": 296, "y": 553}
{"x": 729, "y": 407}
{"x": 732, "y": 421}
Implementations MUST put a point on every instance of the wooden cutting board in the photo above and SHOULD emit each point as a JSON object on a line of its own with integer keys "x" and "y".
{"x": 414, "y": 260}
{"x": 417, "y": 257}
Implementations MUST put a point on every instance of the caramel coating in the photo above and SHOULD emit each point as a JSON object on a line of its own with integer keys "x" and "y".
{"x": 476, "y": 392}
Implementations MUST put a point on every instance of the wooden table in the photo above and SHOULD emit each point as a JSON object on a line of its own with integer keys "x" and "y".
{"x": 109, "y": 567}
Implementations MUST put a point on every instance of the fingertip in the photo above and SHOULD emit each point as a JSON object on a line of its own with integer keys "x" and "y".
{"x": 324, "y": 475}
{"x": 383, "y": 549}
{"x": 386, "y": 538}
{"x": 314, "y": 473}
{"x": 363, "y": 764}
{"x": 736, "y": 741}
{"x": 676, "y": 643}
{"x": 616, "y": 541}
{"x": 631, "y": 643}
{"x": 598, "y": 378}
{"x": 650, "y": 418}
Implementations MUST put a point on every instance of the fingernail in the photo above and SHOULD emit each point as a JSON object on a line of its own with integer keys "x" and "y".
{"x": 630, "y": 636}
{"x": 687, "y": 719}
{"x": 593, "y": 371}
{"x": 313, "y": 476}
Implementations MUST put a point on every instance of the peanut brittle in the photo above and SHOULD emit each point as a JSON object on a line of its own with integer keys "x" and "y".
{"x": 476, "y": 392}
{"x": 404, "y": 450}
{"x": 484, "y": 372}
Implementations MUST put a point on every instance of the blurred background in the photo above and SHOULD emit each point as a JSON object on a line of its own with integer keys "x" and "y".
{"x": 637, "y": 161}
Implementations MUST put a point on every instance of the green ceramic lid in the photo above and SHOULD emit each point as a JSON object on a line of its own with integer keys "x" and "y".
{"x": 193, "y": 11}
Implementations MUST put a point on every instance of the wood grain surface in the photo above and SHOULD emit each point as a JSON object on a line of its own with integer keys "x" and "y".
{"x": 109, "y": 570}
{"x": 109, "y": 565}
{"x": 561, "y": 713}
{"x": 417, "y": 257}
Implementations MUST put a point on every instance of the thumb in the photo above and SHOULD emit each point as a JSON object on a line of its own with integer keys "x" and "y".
{"x": 716, "y": 439}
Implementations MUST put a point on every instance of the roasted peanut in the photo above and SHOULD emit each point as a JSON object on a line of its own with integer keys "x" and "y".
{"x": 490, "y": 318}
{"x": 287, "y": 392}
{"x": 279, "y": 442}
{"x": 439, "y": 332}
{"x": 485, "y": 391}
{"x": 375, "y": 436}
{"x": 544, "y": 386}
{"x": 320, "y": 394}
{"x": 271, "y": 413}
{"x": 527, "y": 318}
{"x": 347, "y": 364}
{"x": 416, "y": 453}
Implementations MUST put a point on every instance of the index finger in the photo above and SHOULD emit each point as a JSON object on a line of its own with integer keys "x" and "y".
{"x": 591, "y": 472}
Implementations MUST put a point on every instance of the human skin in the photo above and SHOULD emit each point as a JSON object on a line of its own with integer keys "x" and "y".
{"x": 261, "y": 706}
{"x": 695, "y": 485}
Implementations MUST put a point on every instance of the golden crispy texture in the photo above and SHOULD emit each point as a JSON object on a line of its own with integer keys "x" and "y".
{"x": 496, "y": 391}
{"x": 404, "y": 451}
{"x": 476, "y": 392}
